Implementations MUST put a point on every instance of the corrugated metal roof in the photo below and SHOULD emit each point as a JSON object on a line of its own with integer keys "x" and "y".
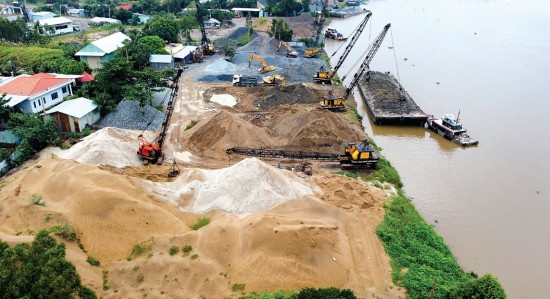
{"x": 8, "y": 137}
{"x": 160, "y": 59}
{"x": 75, "y": 108}
{"x": 55, "y": 21}
{"x": 184, "y": 52}
{"x": 104, "y": 45}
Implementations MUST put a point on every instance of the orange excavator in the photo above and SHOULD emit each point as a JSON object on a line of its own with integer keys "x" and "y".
{"x": 152, "y": 152}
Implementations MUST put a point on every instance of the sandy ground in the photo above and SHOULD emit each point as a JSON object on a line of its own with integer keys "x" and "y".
{"x": 321, "y": 239}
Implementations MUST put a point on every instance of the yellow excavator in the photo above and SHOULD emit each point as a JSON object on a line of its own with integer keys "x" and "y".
{"x": 290, "y": 52}
{"x": 265, "y": 68}
{"x": 311, "y": 53}
{"x": 275, "y": 80}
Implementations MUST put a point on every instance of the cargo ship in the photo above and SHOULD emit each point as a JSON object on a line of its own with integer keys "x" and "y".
{"x": 450, "y": 128}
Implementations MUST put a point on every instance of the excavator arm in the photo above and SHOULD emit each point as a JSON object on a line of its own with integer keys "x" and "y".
{"x": 265, "y": 68}
{"x": 207, "y": 45}
{"x": 290, "y": 51}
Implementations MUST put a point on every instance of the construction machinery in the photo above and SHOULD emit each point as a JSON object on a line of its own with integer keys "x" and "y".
{"x": 326, "y": 77}
{"x": 335, "y": 103}
{"x": 290, "y": 51}
{"x": 206, "y": 45}
{"x": 265, "y": 68}
{"x": 334, "y": 34}
{"x": 275, "y": 80}
{"x": 240, "y": 80}
{"x": 355, "y": 154}
{"x": 151, "y": 152}
{"x": 311, "y": 53}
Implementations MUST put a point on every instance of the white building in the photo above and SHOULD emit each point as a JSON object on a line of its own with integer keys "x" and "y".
{"x": 42, "y": 15}
{"x": 36, "y": 93}
{"x": 58, "y": 26}
{"x": 102, "y": 50}
{"x": 212, "y": 23}
{"x": 103, "y": 21}
{"x": 75, "y": 115}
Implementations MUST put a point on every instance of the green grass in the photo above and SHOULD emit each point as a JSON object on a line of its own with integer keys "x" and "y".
{"x": 200, "y": 223}
{"x": 92, "y": 261}
{"x": 187, "y": 250}
{"x": 105, "y": 275}
{"x": 348, "y": 174}
{"x": 352, "y": 111}
{"x": 418, "y": 254}
{"x": 191, "y": 124}
{"x": 238, "y": 287}
{"x": 194, "y": 256}
{"x": 140, "y": 249}
{"x": 385, "y": 172}
{"x": 243, "y": 40}
{"x": 173, "y": 250}
{"x": 36, "y": 199}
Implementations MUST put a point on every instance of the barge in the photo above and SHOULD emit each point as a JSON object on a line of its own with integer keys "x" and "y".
{"x": 450, "y": 128}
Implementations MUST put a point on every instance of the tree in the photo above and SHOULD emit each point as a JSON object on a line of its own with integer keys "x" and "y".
{"x": 483, "y": 288}
{"x": 305, "y": 5}
{"x": 5, "y": 110}
{"x": 280, "y": 29}
{"x": 328, "y": 293}
{"x": 39, "y": 270}
{"x": 73, "y": 67}
{"x": 284, "y": 8}
{"x": 31, "y": 128}
{"x": 123, "y": 15}
{"x": 166, "y": 27}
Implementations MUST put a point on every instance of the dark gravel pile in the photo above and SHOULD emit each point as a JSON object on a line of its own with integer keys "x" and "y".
{"x": 128, "y": 116}
{"x": 292, "y": 94}
{"x": 231, "y": 40}
{"x": 384, "y": 94}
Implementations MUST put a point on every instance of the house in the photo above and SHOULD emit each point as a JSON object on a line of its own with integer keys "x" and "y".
{"x": 185, "y": 54}
{"x": 141, "y": 18}
{"x": 76, "y": 12}
{"x": 56, "y": 26}
{"x": 38, "y": 92}
{"x": 104, "y": 21}
{"x": 160, "y": 62}
{"x": 254, "y": 12}
{"x": 75, "y": 115}
{"x": 212, "y": 23}
{"x": 42, "y": 15}
{"x": 8, "y": 139}
{"x": 261, "y": 4}
{"x": 125, "y": 7}
{"x": 102, "y": 50}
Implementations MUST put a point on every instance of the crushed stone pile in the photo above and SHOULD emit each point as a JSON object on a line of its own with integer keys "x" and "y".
{"x": 291, "y": 94}
{"x": 128, "y": 115}
{"x": 261, "y": 45}
{"x": 261, "y": 187}
{"x": 383, "y": 91}
{"x": 220, "y": 66}
{"x": 111, "y": 146}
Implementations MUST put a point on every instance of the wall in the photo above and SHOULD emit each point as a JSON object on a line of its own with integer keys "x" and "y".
{"x": 88, "y": 119}
{"x": 36, "y": 104}
{"x": 94, "y": 62}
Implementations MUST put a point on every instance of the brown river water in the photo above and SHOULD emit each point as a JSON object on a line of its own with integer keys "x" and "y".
{"x": 490, "y": 60}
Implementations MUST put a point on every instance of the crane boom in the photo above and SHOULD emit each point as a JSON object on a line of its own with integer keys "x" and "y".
{"x": 326, "y": 77}
{"x": 207, "y": 46}
{"x": 337, "y": 103}
{"x": 365, "y": 65}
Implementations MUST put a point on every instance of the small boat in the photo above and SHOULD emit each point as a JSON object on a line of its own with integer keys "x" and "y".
{"x": 334, "y": 34}
{"x": 450, "y": 128}
{"x": 354, "y": 2}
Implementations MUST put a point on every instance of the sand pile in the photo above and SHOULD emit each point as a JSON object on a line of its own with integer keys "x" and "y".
{"x": 111, "y": 146}
{"x": 261, "y": 187}
{"x": 293, "y": 94}
{"x": 224, "y": 130}
{"x": 224, "y": 99}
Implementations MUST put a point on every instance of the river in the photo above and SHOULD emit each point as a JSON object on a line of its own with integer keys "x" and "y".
{"x": 490, "y": 60}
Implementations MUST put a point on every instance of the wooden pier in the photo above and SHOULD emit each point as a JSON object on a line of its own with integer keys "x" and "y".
{"x": 388, "y": 103}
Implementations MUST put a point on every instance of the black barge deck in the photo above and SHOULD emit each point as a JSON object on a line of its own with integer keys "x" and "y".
{"x": 386, "y": 104}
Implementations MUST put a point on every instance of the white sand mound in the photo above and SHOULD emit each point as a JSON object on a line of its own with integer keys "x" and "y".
{"x": 111, "y": 146}
{"x": 224, "y": 99}
{"x": 246, "y": 187}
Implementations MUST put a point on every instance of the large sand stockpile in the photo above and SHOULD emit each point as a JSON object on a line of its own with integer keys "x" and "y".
{"x": 111, "y": 146}
{"x": 246, "y": 187}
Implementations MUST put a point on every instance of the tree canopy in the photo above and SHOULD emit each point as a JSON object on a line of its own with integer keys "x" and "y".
{"x": 39, "y": 270}
{"x": 280, "y": 29}
{"x": 284, "y": 8}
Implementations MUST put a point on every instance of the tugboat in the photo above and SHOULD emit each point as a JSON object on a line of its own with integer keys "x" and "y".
{"x": 450, "y": 128}
{"x": 334, "y": 34}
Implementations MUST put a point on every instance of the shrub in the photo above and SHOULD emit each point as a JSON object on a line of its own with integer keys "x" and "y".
{"x": 200, "y": 223}
{"x": 36, "y": 199}
{"x": 485, "y": 287}
{"x": 194, "y": 256}
{"x": 191, "y": 124}
{"x": 92, "y": 261}
{"x": 328, "y": 293}
{"x": 173, "y": 250}
{"x": 187, "y": 250}
{"x": 386, "y": 173}
{"x": 238, "y": 287}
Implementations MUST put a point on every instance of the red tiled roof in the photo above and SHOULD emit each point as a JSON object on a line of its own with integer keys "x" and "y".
{"x": 124, "y": 6}
{"x": 33, "y": 84}
{"x": 85, "y": 78}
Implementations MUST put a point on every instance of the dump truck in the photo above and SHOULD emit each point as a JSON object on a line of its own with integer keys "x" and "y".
{"x": 240, "y": 80}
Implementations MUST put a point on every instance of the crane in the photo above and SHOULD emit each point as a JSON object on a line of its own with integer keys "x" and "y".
{"x": 265, "y": 68}
{"x": 290, "y": 51}
{"x": 326, "y": 77}
{"x": 337, "y": 103}
{"x": 207, "y": 45}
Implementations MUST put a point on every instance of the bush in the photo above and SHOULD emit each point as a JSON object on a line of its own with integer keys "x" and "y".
{"x": 191, "y": 124}
{"x": 328, "y": 293}
{"x": 187, "y": 249}
{"x": 200, "y": 223}
{"x": 92, "y": 261}
{"x": 485, "y": 287}
{"x": 173, "y": 250}
{"x": 238, "y": 287}
{"x": 386, "y": 173}
{"x": 36, "y": 199}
